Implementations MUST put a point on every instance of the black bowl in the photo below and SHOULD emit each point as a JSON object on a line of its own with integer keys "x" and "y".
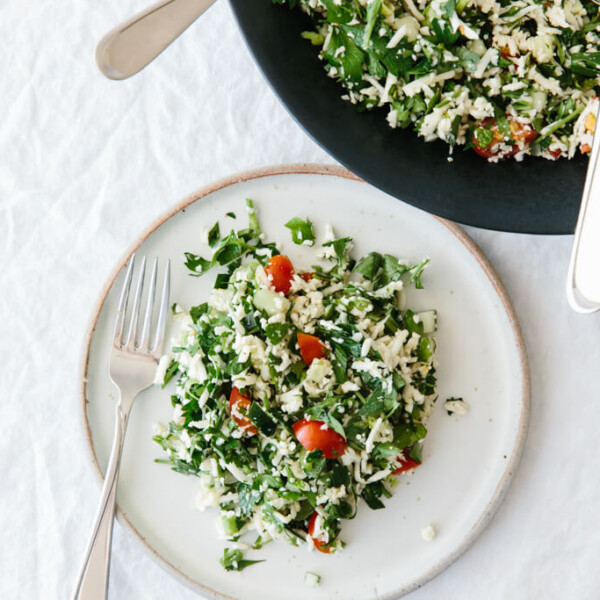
{"x": 534, "y": 196}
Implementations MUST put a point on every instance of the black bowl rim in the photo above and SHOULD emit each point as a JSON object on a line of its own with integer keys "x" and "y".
{"x": 551, "y": 206}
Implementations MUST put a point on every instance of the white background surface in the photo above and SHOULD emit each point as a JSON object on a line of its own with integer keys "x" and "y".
{"x": 85, "y": 165}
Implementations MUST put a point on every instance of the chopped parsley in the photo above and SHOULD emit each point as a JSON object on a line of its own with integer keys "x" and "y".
{"x": 291, "y": 408}
{"x": 302, "y": 231}
{"x": 457, "y": 70}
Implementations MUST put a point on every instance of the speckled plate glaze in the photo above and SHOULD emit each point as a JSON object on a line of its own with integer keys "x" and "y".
{"x": 468, "y": 461}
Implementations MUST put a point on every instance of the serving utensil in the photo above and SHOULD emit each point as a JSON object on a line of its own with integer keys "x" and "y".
{"x": 131, "y": 46}
{"x": 583, "y": 279}
{"x": 132, "y": 368}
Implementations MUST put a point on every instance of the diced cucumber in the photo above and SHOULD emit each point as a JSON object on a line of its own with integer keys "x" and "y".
{"x": 230, "y": 526}
{"x": 271, "y": 302}
{"x": 312, "y": 579}
{"x": 429, "y": 320}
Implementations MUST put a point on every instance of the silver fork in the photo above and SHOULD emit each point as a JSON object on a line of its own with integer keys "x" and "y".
{"x": 132, "y": 368}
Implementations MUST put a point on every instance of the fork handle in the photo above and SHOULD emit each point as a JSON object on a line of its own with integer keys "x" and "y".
{"x": 92, "y": 583}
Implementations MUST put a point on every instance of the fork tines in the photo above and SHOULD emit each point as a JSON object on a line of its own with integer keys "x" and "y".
{"x": 129, "y": 341}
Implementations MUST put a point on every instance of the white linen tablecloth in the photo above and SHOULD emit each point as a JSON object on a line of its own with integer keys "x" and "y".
{"x": 86, "y": 164}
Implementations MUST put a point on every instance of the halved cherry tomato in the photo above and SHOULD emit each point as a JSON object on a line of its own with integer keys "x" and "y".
{"x": 315, "y": 435}
{"x": 311, "y": 347}
{"x": 319, "y": 545}
{"x": 281, "y": 272}
{"x": 406, "y": 464}
{"x": 306, "y": 276}
{"x": 557, "y": 153}
{"x": 238, "y": 400}
{"x": 521, "y": 135}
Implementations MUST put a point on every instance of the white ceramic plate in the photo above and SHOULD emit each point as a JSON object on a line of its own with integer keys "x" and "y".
{"x": 468, "y": 460}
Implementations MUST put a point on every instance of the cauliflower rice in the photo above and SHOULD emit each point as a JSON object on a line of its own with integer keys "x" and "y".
{"x": 507, "y": 78}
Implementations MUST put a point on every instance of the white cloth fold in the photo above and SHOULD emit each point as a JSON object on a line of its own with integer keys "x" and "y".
{"x": 86, "y": 165}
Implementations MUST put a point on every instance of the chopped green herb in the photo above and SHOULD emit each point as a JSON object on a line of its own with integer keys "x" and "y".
{"x": 233, "y": 560}
{"x": 302, "y": 231}
{"x": 214, "y": 235}
{"x": 492, "y": 80}
{"x": 264, "y": 416}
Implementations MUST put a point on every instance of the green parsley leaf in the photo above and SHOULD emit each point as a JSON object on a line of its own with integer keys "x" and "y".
{"x": 369, "y": 266}
{"x": 197, "y": 264}
{"x": 338, "y": 13}
{"x": 313, "y": 464}
{"x": 373, "y": 10}
{"x": 416, "y": 453}
{"x": 412, "y": 325}
{"x": 252, "y": 219}
{"x": 303, "y": 232}
{"x": 233, "y": 560}
{"x": 170, "y": 372}
{"x": 371, "y": 495}
{"x": 276, "y": 331}
{"x": 417, "y": 272}
{"x": 197, "y": 311}
{"x": 392, "y": 269}
{"x": 406, "y": 435}
{"x": 214, "y": 235}
{"x": 248, "y": 498}
{"x": 586, "y": 63}
{"x": 339, "y": 362}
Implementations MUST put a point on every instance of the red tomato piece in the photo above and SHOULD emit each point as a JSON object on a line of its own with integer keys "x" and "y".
{"x": 319, "y": 545}
{"x": 281, "y": 272}
{"x": 315, "y": 435}
{"x": 555, "y": 153}
{"x": 521, "y": 132}
{"x": 307, "y": 276}
{"x": 311, "y": 347}
{"x": 238, "y": 401}
{"x": 521, "y": 136}
{"x": 406, "y": 464}
{"x": 506, "y": 53}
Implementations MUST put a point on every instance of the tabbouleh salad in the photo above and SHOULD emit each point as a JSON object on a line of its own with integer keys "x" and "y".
{"x": 507, "y": 78}
{"x": 298, "y": 392}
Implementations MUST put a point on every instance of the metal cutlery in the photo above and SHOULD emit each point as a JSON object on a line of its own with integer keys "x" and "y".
{"x": 134, "y": 44}
{"x": 132, "y": 368}
{"x": 583, "y": 279}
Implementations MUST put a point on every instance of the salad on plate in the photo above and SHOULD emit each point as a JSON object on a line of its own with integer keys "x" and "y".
{"x": 301, "y": 392}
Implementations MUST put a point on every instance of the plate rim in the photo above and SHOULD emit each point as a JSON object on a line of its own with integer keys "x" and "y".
{"x": 463, "y": 238}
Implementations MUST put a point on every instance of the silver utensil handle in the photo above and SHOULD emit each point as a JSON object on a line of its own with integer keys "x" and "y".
{"x": 92, "y": 583}
{"x": 583, "y": 281}
{"x": 128, "y": 48}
